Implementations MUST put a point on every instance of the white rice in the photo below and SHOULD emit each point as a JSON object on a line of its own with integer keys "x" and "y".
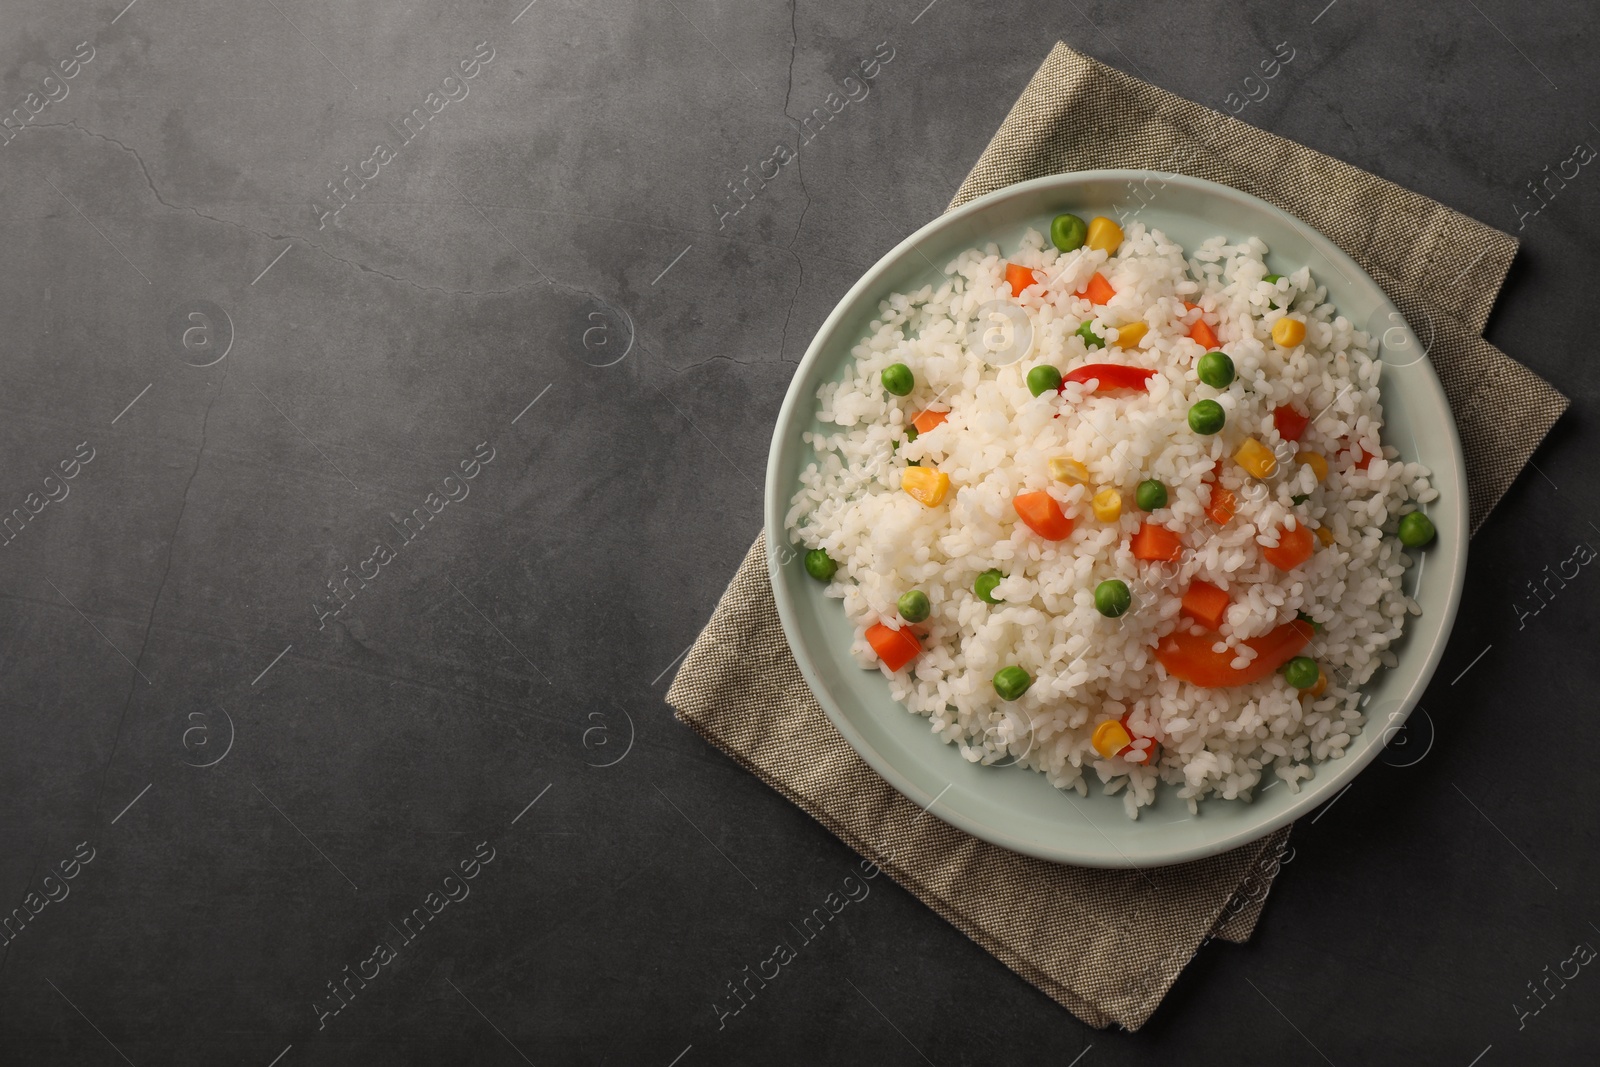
{"x": 1088, "y": 668}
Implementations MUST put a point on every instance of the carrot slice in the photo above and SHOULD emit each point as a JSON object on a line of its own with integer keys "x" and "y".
{"x": 1203, "y": 335}
{"x": 1040, "y": 513}
{"x": 927, "y": 420}
{"x": 1156, "y": 543}
{"x": 1289, "y": 422}
{"x": 1223, "y": 504}
{"x": 1205, "y": 604}
{"x": 1188, "y": 657}
{"x": 1018, "y": 277}
{"x": 894, "y": 647}
{"x": 1098, "y": 291}
{"x": 1294, "y": 548}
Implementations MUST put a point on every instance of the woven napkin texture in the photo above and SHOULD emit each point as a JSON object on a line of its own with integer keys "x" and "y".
{"x": 1108, "y": 944}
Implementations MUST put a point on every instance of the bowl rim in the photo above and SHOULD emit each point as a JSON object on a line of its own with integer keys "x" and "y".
{"x": 777, "y": 498}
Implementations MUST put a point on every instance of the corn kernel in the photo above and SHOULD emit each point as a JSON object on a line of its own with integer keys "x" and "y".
{"x": 1288, "y": 332}
{"x": 1107, "y": 505}
{"x": 1130, "y": 335}
{"x": 1256, "y": 458}
{"x": 1104, "y": 235}
{"x": 1318, "y": 465}
{"x": 926, "y": 484}
{"x": 1324, "y": 535}
{"x": 1110, "y": 737}
{"x": 1063, "y": 469}
{"x": 1318, "y": 689}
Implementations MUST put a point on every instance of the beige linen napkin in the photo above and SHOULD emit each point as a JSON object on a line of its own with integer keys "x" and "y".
{"x": 1107, "y": 945}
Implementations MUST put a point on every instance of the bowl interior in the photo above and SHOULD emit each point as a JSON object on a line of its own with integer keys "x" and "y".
{"x": 1014, "y": 807}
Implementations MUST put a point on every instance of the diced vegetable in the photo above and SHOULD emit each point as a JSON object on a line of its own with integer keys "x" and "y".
{"x": 1019, "y": 277}
{"x": 1110, "y": 737}
{"x": 1288, "y": 332}
{"x": 1324, "y": 535}
{"x": 1011, "y": 682}
{"x": 1416, "y": 530}
{"x": 928, "y": 420}
{"x": 1063, "y": 469}
{"x": 984, "y": 585}
{"x": 1215, "y": 369}
{"x": 1044, "y": 379}
{"x": 1104, "y": 235}
{"x": 1130, "y": 335}
{"x": 820, "y": 565}
{"x": 1040, "y": 513}
{"x": 1294, "y": 548}
{"x": 1111, "y": 376}
{"x": 1090, "y": 338}
{"x": 1150, "y": 495}
{"x": 1107, "y": 505}
{"x": 1320, "y": 687}
{"x": 1256, "y": 458}
{"x": 1112, "y": 598}
{"x": 895, "y": 648}
{"x": 1302, "y": 672}
{"x": 1207, "y": 417}
{"x": 1188, "y": 656}
{"x": 1151, "y": 542}
{"x": 1067, "y": 232}
{"x": 1314, "y": 460}
{"x": 1203, "y": 335}
{"x": 913, "y": 605}
{"x": 898, "y": 379}
{"x": 1098, "y": 291}
{"x": 1289, "y": 423}
{"x": 1223, "y": 504}
{"x": 926, "y": 484}
{"x": 1205, "y": 604}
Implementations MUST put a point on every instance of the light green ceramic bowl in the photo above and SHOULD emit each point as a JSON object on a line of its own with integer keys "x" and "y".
{"x": 1017, "y": 808}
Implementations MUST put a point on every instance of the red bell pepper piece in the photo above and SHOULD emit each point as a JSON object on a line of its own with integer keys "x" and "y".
{"x": 1111, "y": 376}
{"x": 1289, "y": 422}
{"x": 1188, "y": 657}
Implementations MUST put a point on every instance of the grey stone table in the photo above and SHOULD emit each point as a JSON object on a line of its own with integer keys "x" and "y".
{"x": 386, "y": 395}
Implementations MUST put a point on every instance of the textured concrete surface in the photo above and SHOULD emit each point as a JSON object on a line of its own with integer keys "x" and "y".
{"x": 250, "y": 792}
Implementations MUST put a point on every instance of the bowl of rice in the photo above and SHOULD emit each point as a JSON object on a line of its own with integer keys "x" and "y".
{"x": 1116, "y": 518}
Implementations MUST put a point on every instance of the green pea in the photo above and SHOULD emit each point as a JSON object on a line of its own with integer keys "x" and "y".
{"x": 1067, "y": 232}
{"x": 1303, "y": 617}
{"x": 1090, "y": 338}
{"x": 1207, "y": 417}
{"x": 1011, "y": 682}
{"x": 985, "y": 584}
{"x": 1043, "y": 379}
{"x": 820, "y": 565}
{"x": 913, "y": 605}
{"x": 1416, "y": 530}
{"x": 1215, "y": 369}
{"x": 911, "y": 434}
{"x": 898, "y": 379}
{"x": 1302, "y": 672}
{"x": 1112, "y": 599}
{"x": 1272, "y": 279}
{"x": 1150, "y": 495}
{"x": 1300, "y": 498}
